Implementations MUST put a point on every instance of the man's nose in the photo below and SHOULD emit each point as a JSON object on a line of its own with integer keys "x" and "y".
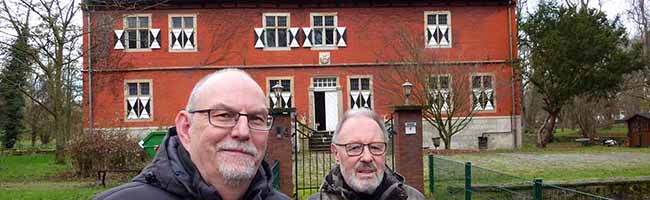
{"x": 241, "y": 131}
{"x": 366, "y": 156}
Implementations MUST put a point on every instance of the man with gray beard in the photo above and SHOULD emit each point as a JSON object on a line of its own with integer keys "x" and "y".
{"x": 216, "y": 149}
{"x": 359, "y": 147}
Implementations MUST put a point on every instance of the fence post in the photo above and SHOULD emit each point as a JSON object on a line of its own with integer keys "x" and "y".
{"x": 431, "y": 175}
{"x": 537, "y": 189}
{"x": 468, "y": 181}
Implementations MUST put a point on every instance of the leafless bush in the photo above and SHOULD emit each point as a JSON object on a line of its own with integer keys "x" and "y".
{"x": 105, "y": 150}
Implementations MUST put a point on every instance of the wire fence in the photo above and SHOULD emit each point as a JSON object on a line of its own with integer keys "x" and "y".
{"x": 450, "y": 179}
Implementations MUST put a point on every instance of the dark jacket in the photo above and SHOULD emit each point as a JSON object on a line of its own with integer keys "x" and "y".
{"x": 172, "y": 175}
{"x": 392, "y": 187}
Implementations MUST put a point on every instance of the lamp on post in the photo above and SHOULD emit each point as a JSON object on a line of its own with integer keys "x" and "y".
{"x": 407, "y": 87}
{"x": 277, "y": 91}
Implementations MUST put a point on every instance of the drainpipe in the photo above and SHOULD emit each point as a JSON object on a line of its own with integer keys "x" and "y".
{"x": 90, "y": 73}
{"x": 513, "y": 121}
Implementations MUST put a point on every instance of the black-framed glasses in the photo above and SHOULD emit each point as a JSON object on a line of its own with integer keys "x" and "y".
{"x": 228, "y": 119}
{"x": 356, "y": 149}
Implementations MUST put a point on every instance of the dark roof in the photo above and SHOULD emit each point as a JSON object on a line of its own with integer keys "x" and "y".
{"x": 167, "y": 4}
{"x": 644, "y": 115}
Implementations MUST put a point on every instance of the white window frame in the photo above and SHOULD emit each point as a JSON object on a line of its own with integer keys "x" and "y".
{"x": 126, "y": 34}
{"x": 281, "y": 78}
{"x": 323, "y": 46}
{"x": 492, "y": 82}
{"x": 196, "y": 45}
{"x": 139, "y": 94}
{"x": 370, "y": 88}
{"x": 426, "y": 24}
{"x": 276, "y": 27}
{"x": 449, "y": 88}
{"x": 327, "y": 84}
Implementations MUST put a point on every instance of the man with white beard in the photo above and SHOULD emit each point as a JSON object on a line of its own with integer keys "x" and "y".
{"x": 359, "y": 147}
{"x": 216, "y": 149}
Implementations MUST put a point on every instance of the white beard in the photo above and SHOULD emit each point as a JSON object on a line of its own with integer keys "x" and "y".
{"x": 367, "y": 186}
{"x": 237, "y": 170}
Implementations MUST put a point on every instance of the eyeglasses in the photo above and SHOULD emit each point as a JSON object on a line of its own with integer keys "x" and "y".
{"x": 356, "y": 149}
{"x": 228, "y": 119}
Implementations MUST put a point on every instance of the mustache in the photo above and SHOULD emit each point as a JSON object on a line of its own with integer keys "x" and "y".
{"x": 238, "y": 146}
{"x": 366, "y": 166}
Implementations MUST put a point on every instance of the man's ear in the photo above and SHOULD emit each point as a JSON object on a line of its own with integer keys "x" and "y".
{"x": 335, "y": 152}
{"x": 183, "y": 122}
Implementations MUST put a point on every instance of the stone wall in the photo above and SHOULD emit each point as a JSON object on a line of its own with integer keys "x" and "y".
{"x": 497, "y": 129}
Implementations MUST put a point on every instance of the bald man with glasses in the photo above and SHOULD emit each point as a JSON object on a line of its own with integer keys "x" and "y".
{"x": 359, "y": 147}
{"x": 216, "y": 149}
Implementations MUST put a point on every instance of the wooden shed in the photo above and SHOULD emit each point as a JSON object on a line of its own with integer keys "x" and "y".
{"x": 638, "y": 134}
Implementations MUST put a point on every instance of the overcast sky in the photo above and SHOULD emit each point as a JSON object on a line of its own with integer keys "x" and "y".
{"x": 611, "y": 7}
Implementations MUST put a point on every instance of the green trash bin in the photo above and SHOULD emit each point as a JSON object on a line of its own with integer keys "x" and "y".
{"x": 151, "y": 142}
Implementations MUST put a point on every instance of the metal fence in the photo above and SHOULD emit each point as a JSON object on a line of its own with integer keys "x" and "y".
{"x": 275, "y": 173}
{"x": 311, "y": 159}
{"x": 450, "y": 179}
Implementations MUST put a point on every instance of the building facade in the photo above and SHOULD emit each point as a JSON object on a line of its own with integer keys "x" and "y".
{"x": 330, "y": 56}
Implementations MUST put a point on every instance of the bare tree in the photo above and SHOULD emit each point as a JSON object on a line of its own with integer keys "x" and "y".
{"x": 637, "y": 86}
{"x": 442, "y": 88}
{"x": 37, "y": 120}
{"x": 56, "y": 39}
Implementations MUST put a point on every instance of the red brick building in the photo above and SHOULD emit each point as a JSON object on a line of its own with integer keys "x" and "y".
{"x": 330, "y": 56}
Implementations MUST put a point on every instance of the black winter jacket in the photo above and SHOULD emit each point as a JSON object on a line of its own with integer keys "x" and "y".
{"x": 172, "y": 175}
{"x": 392, "y": 187}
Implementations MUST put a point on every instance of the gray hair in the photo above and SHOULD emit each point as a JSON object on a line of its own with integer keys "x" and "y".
{"x": 362, "y": 112}
{"x": 190, "y": 101}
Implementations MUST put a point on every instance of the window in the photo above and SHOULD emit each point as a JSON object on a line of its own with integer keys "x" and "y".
{"x": 360, "y": 94}
{"x": 286, "y": 99}
{"x": 137, "y": 32}
{"x": 324, "y": 30}
{"x": 325, "y": 82}
{"x": 182, "y": 32}
{"x": 276, "y": 32}
{"x": 138, "y": 100}
{"x": 437, "y": 29}
{"x": 483, "y": 92}
{"x": 439, "y": 92}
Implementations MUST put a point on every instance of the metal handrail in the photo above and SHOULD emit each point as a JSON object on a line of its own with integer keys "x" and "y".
{"x": 300, "y": 127}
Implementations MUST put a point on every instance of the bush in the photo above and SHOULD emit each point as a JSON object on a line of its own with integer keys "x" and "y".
{"x": 105, "y": 150}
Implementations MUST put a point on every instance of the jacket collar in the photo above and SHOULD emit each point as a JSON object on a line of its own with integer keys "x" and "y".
{"x": 390, "y": 188}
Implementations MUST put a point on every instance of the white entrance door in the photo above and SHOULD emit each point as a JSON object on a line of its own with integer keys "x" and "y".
{"x": 331, "y": 110}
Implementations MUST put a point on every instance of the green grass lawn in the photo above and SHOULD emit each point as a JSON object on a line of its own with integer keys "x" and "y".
{"x": 50, "y": 190}
{"x": 33, "y": 167}
{"x": 559, "y": 163}
{"x": 36, "y": 176}
{"x": 566, "y": 162}
{"x": 616, "y": 130}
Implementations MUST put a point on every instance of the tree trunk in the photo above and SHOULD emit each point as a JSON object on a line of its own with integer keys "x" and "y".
{"x": 44, "y": 136}
{"x": 33, "y": 136}
{"x": 60, "y": 142}
{"x": 548, "y": 127}
{"x": 540, "y": 134}
{"x": 447, "y": 143}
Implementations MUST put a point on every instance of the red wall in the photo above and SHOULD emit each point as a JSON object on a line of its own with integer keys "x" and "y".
{"x": 479, "y": 34}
